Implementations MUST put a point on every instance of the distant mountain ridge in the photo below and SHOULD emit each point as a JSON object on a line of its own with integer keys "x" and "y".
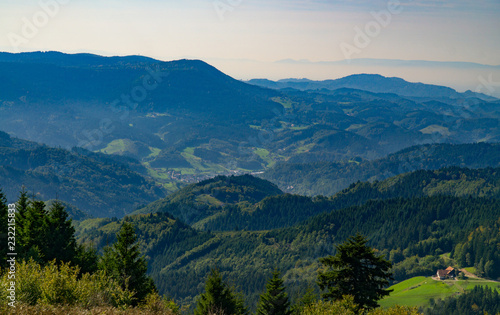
{"x": 80, "y": 59}
{"x": 372, "y": 83}
{"x": 394, "y": 63}
{"x": 186, "y": 121}
{"x": 184, "y": 83}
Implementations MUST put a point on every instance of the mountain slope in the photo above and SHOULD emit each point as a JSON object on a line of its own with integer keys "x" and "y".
{"x": 180, "y": 256}
{"x": 92, "y": 182}
{"x": 327, "y": 178}
{"x": 286, "y": 210}
{"x": 185, "y": 121}
{"x": 178, "y": 85}
{"x": 207, "y": 198}
{"x": 229, "y": 203}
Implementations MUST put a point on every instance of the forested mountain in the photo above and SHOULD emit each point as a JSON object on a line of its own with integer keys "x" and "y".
{"x": 479, "y": 300}
{"x": 415, "y": 168}
{"x": 186, "y": 121}
{"x": 419, "y": 227}
{"x": 207, "y": 198}
{"x": 412, "y": 223}
{"x": 327, "y": 178}
{"x": 249, "y": 203}
{"x": 92, "y": 182}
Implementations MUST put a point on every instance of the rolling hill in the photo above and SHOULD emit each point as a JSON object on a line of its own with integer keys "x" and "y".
{"x": 229, "y": 203}
{"x": 180, "y": 256}
{"x": 186, "y": 121}
{"x": 327, "y": 178}
{"x": 95, "y": 183}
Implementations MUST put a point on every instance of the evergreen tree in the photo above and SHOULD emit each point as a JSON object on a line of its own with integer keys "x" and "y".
{"x": 308, "y": 299}
{"x": 62, "y": 242}
{"x": 123, "y": 262}
{"x": 219, "y": 298}
{"x": 274, "y": 301}
{"x": 355, "y": 270}
{"x": 86, "y": 258}
{"x": 21, "y": 213}
{"x": 35, "y": 231}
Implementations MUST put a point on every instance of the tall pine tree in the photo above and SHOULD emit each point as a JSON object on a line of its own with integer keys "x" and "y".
{"x": 218, "y": 298}
{"x": 35, "y": 231}
{"x": 62, "y": 242}
{"x": 274, "y": 301}
{"x": 355, "y": 270}
{"x": 123, "y": 261}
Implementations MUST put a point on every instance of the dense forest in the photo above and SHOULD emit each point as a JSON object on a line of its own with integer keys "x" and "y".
{"x": 248, "y": 203}
{"x": 55, "y": 273}
{"x": 479, "y": 300}
{"x": 327, "y": 178}
{"x": 420, "y": 230}
{"x": 96, "y": 183}
{"x": 246, "y": 227}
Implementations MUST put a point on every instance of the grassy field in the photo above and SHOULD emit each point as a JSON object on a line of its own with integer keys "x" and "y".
{"x": 264, "y": 155}
{"x": 118, "y": 146}
{"x": 419, "y": 290}
{"x": 285, "y": 102}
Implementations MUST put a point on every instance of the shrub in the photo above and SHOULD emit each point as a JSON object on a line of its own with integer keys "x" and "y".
{"x": 59, "y": 285}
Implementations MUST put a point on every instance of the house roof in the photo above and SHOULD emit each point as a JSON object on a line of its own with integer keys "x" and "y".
{"x": 450, "y": 269}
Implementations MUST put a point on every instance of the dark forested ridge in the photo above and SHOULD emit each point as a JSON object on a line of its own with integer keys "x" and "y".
{"x": 249, "y": 203}
{"x": 412, "y": 223}
{"x": 92, "y": 182}
{"x": 419, "y": 227}
{"x": 327, "y": 178}
{"x": 207, "y": 198}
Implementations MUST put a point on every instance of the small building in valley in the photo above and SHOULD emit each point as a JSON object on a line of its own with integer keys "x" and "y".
{"x": 447, "y": 273}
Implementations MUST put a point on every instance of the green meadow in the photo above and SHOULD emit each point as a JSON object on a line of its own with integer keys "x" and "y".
{"x": 419, "y": 291}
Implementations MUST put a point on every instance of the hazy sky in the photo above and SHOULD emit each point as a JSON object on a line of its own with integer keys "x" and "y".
{"x": 231, "y": 32}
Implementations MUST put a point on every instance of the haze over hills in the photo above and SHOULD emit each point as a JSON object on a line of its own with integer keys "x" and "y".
{"x": 197, "y": 122}
{"x": 373, "y": 83}
{"x": 186, "y": 121}
{"x": 94, "y": 183}
{"x": 162, "y": 145}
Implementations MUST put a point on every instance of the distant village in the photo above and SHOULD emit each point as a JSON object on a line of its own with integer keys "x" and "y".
{"x": 195, "y": 178}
